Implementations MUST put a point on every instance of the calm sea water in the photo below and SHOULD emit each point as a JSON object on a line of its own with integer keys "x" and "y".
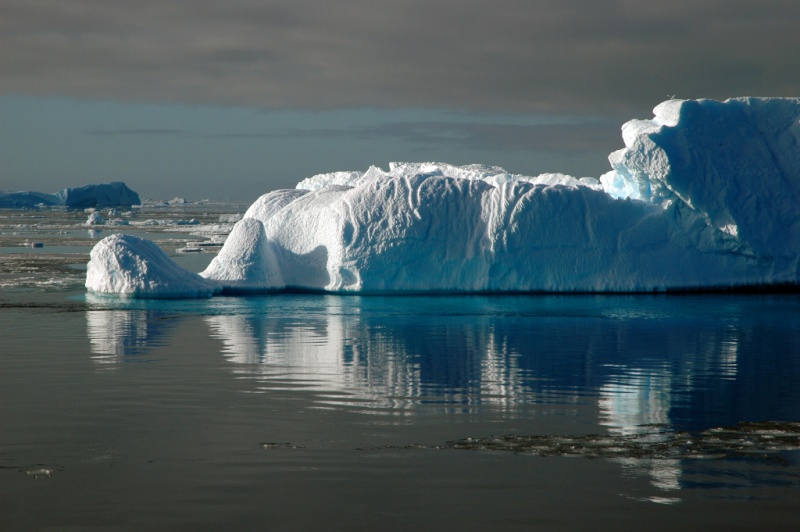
{"x": 346, "y": 412}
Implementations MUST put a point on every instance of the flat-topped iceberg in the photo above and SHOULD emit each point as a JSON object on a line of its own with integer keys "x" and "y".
{"x": 116, "y": 194}
{"x": 703, "y": 196}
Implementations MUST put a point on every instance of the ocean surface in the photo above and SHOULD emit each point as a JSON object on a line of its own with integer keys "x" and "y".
{"x": 308, "y": 411}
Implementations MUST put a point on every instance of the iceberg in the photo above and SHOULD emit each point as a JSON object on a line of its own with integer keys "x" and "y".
{"x": 116, "y": 194}
{"x": 25, "y": 200}
{"x": 704, "y": 196}
{"x": 95, "y": 218}
{"x": 127, "y": 265}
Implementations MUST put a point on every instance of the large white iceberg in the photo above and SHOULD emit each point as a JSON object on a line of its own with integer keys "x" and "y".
{"x": 703, "y": 196}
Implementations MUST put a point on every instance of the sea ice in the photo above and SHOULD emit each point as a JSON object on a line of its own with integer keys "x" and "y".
{"x": 703, "y": 196}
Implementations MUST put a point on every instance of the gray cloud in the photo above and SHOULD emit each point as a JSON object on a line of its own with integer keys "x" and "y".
{"x": 604, "y": 57}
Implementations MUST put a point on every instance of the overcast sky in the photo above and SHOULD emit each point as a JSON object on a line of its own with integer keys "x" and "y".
{"x": 235, "y": 98}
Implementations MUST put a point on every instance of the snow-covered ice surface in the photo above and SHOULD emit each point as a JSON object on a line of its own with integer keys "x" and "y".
{"x": 703, "y": 196}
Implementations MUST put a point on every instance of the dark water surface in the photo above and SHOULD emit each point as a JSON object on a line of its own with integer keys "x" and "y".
{"x": 329, "y": 412}
{"x": 317, "y": 412}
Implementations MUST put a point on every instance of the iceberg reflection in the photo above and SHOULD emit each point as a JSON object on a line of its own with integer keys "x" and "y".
{"x": 114, "y": 334}
{"x": 634, "y": 404}
{"x": 320, "y": 355}
{"x": 486, "y": 354}
{"x": 640, "y": 371}
{"x": 637, "y": 400}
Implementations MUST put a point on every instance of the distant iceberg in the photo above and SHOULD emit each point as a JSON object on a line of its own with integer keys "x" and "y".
{"x": 706, "y": 195}
{"x": 116, "y": 194}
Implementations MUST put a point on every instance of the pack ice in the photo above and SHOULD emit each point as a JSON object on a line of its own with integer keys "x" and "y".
{"x": 705, "y": 195}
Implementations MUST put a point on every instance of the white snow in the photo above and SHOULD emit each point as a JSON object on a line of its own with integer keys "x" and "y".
{"x": 704, "y": 195}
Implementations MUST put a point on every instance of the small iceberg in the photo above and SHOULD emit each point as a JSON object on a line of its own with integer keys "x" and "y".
{"x": 95, "y": 218}
{"x": 127, "y": 265}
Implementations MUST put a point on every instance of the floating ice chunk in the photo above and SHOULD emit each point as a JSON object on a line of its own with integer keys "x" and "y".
{"x": 132, "y": 266}
{"x": 95, "y": 219}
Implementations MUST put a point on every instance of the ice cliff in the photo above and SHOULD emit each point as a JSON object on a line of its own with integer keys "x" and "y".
{"x": 116, "y": 194}
{"x": 704, "y": 195}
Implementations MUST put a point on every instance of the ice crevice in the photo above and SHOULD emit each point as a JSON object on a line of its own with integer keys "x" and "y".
{"x": 703, "y": 196}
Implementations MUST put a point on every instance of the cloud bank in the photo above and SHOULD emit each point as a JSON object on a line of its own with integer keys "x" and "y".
{"x": 507, "y": 55}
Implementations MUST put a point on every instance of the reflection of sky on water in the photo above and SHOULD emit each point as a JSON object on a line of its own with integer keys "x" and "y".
{"x": 685, "y": 363}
